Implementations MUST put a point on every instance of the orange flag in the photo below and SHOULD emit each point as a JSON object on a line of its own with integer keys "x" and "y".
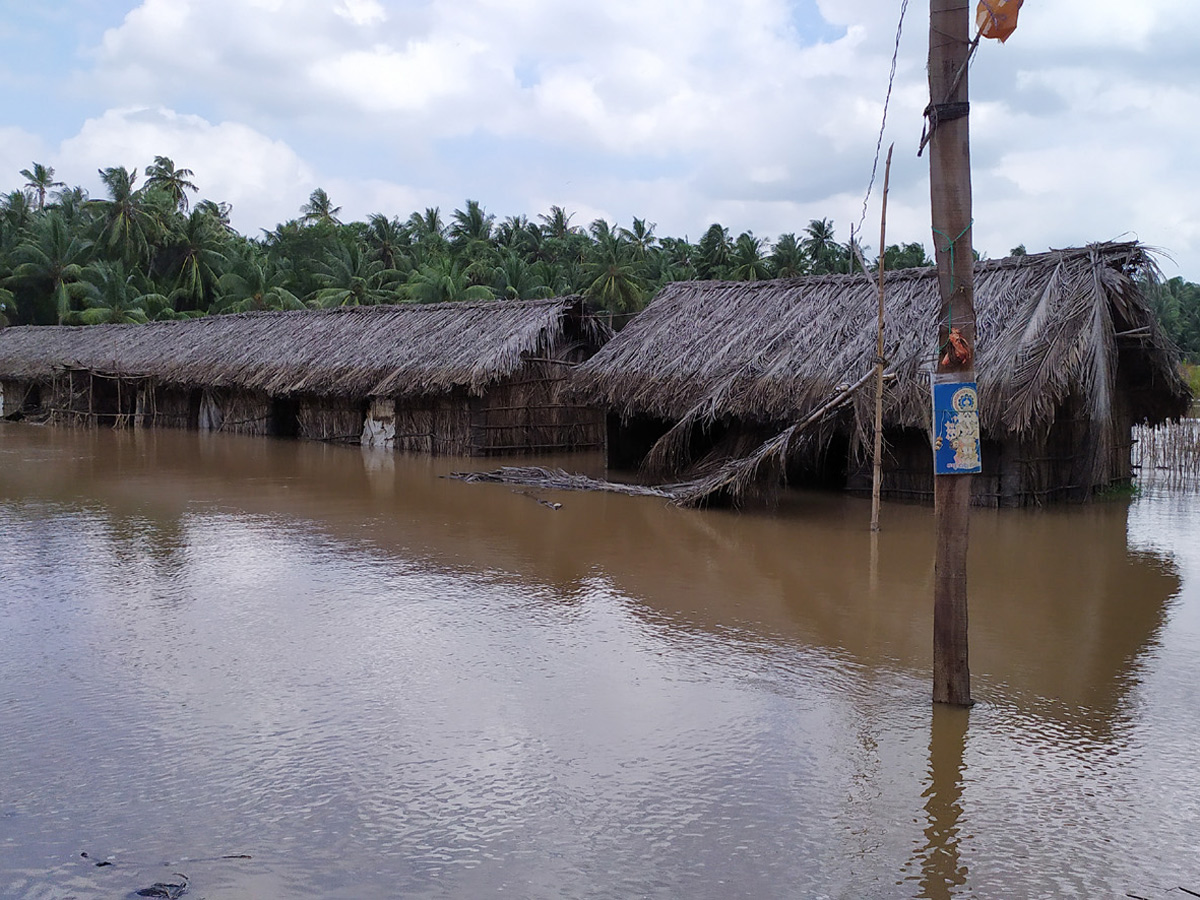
{"x": 997, "y": 18}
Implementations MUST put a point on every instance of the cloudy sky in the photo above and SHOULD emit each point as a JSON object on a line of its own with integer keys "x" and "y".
{"x": 758, "y": 114}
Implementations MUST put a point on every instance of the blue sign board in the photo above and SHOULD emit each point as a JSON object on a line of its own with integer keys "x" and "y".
{"x": 955, "y": 428}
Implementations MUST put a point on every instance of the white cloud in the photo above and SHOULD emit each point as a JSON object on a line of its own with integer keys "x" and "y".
{"x": 383, "y": 79}
{"x": 264, "y": 179}
{"x": 679, "y": 110}
{"x": 19, "y": 150}
{"x": 361, "y": 12}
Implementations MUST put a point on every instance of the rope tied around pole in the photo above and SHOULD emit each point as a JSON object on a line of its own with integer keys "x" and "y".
{"x": 949, "y": 248}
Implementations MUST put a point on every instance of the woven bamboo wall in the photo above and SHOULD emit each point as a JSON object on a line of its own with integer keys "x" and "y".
{"x": 331, "y": 419}
{"x": 531, "y": 414}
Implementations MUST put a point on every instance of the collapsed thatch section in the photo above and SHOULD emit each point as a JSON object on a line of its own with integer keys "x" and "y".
{"x": 446, "y": 378}
{"x": 1060, "y": 335}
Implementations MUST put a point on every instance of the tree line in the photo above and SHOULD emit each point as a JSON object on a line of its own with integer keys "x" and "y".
{"x": 145, "y": 251}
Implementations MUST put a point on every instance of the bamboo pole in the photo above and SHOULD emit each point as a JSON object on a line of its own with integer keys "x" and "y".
{"x": 877, "y": 466}
{"x": 950, "y": 195}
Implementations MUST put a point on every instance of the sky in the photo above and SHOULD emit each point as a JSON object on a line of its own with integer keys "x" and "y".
{"x": 758, "y": 114}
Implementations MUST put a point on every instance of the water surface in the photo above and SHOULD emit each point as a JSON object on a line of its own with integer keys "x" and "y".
{"x": 378, "y": 682}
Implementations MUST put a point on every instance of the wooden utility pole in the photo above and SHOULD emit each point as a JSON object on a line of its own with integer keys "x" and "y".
{"x": 950, "y": 191}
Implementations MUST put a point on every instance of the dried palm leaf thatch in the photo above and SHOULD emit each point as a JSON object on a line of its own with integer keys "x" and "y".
{"x": 558, "y": 480}
{"x": 350, "y": 351}
{"x": 769, "y": 352}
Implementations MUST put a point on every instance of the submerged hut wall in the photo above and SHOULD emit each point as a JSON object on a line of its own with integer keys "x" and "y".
{"x": 19, "y": 397}
{"x": 440, "y": 424}
{"x": 336, "y": 419}
{"x": 440, "y": 378}
{"x": 534, "y": 414}
{"x": 90, "y": 398}
{"x": 1069, "y": 357}
{"x": 173, "y": 407}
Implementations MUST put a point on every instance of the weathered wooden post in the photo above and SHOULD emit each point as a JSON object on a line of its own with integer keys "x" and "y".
{"x": 950, "y": 191}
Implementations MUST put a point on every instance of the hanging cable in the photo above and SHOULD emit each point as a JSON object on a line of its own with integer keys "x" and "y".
{"x": 883, "y": 124}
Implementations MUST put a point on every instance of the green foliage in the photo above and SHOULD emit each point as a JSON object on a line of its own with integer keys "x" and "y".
{"x": 40, "y": 180}
{"x": 351, "y": 277}
{"x": 906, "y": 256}
{"x": 319, "y": 209}
{"x": 113, "y": 296}
{"x": 747, "y": 261}
{"x": 173, "y": 182}
{"x": 1118, "y": 491}
{"x": 442, "y": 280}
{"x": 826, "y": 256}
{"x": 254, "y": 283}
{"x": 1177, "y": 306}
{"x": 1191, "y": 374}
{"x": 138, "y": 253}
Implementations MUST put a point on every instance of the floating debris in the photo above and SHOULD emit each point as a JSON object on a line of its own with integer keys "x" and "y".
{"x": 169, "y": 890}
{"x": 558, "y": 480}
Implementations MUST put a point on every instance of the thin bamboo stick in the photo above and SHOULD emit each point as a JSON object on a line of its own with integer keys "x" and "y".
{"x": 877, "y": 465}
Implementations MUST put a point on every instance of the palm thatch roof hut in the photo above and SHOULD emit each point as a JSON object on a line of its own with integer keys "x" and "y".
{"x": 1069, "y": 356}
{"x": 446, "y": 378}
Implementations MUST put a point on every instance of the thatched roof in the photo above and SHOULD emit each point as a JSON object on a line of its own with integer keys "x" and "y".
{"x": 1048, "y": 325}
{"x": 350, "y": 351}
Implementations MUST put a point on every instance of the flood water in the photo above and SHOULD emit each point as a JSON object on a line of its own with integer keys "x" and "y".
{"x": 376, "y": 682}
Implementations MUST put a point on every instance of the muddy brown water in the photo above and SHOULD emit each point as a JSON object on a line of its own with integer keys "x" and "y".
{"x": 377, "y": 682}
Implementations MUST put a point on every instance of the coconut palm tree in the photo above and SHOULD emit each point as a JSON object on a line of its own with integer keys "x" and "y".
{"x": 440, "y": 281}
{"x": 72, "y": 204}
{"x": 747, "y": 261}
{"x": 254, "y": 282}
{"x": 471, "y": 240}
{"x": 640, "y": 237}
{"x": 352, "y": 278}
{"x": 512, "y": 233}
{"x": 128, "y": 224}
{"x": 428, "y": 235}
{"x": 40, "y": 180}
{"x": 714, "y": 252}
{"x": 197, "y": 258}
{"x": 679, "y": 255}
{"x": 218, "y": 212}
{"x": 825, "y": 254}
{"x": 558, "y": 222}
{"x": 515, "y": 279}
{"x": 112, "y": 296}
{"x": 470, "y": 227}
{"x": 390, "y": 241}
{"x": 50, "y": 261}
{"x": 319, "y": 209}
{"x": 610, "y": 272}
{"x": 173, "y": 182}
{"x": 906, "y": 256}
{"x": 559, "y": 278}
{"x": 787, "y": 257}
{"x": 16, "y": 212}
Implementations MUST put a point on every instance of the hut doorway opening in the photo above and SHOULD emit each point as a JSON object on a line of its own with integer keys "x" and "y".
{"x": 18, "y": 401}
{"x": 824, "y": 467}
{"x": 194, "y": 401}
{"x": 114, "y": 400}
{"x": 630, "y": 439}
{"x": 31, "y": 404}
{"x": 285, "y": 417}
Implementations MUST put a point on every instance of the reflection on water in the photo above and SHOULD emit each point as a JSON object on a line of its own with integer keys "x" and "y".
{"x": 942, "y": 869}
{"x": 376, "y": 681}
